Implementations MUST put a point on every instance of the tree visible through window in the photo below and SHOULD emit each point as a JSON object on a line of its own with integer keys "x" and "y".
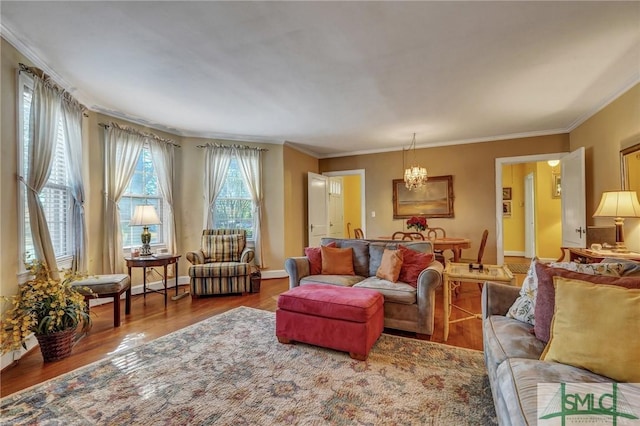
{"x": 143, "y": 189}
{"x": 234, "y": 207}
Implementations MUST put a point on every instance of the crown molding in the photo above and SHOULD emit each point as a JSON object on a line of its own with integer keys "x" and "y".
{"x": 305, "y": 151}
{"x": 455, "y": 142}
{"x": 635, "y": 79}
{"x": 33, "y": 55}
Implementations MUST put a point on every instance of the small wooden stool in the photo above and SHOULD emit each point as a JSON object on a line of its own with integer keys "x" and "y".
{"x": 112, "y": 285}
{"x": 341, "y": 318}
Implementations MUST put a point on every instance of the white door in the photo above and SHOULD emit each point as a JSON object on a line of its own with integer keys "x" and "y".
{"x": 318, "y": 207}
{"x": 572, "y": 194}
{"x": 336, "y": 208}
{"x": 529, "y": 217}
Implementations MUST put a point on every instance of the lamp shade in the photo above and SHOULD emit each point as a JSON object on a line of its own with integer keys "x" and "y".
{"x": 618, "y": 204}
{"x": 145, "y": 215}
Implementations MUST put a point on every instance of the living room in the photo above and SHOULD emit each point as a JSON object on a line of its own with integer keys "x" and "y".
{"x": 603, "y": 131}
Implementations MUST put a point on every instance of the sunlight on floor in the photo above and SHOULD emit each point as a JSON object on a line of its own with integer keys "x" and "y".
{"x": 130, "y": 341}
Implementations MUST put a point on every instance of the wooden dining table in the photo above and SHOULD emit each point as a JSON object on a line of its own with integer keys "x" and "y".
{"x": 455, "y": 244}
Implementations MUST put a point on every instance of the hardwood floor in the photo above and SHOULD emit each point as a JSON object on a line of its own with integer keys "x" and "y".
{"x": 147, "y": 322}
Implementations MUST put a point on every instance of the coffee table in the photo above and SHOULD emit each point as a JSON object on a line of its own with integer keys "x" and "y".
{"x": 457, "y": 273}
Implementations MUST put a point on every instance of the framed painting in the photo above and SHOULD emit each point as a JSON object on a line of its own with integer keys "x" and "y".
{"x": 434, "y": 199}
{"x": 506, "y": 193}
{"x": 506, "y": 208}
{"x": 557, "y": 186}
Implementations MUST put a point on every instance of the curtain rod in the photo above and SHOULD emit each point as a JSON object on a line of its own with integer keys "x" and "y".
{"x": 138, "y": 132}
{"x": 66, "y": 96}
{"x": 217, "y": 145}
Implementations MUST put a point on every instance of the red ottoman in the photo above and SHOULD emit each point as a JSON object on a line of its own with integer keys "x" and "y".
{"x": 342, "y": 318}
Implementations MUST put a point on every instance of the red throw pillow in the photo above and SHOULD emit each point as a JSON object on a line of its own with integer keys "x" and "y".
{"x": 545, "y": 299}
{"x": 413, "y": 263}
{"x": 315, "y": 258}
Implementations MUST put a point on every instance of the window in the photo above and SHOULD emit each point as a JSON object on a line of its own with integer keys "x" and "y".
{"x": 56, "y": 194}
{"x": 234, "y": 207}
{"x": 143, "y": 189}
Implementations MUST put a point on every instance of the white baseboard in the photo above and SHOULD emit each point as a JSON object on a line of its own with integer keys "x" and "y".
{"x": 514, "y": 253}
{"x": 31, "y": 341}
{"x": 137, "y": 289}
{"x": 10, "y": 357}
{"x": 276, "y": 273}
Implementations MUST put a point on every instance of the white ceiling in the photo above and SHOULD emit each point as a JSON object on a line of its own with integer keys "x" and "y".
{"x": 337, "y": 77}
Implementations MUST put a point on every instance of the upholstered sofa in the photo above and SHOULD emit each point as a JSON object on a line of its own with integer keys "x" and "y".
{"x": 512, "y": 354}
{"x": 406, "y": 307}
{"x": 223, "y": 263}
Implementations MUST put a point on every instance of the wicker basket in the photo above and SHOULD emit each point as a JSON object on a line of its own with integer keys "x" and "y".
{"x": 56, "y": 346}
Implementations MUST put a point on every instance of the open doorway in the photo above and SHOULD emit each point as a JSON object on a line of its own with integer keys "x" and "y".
{"x": 352, "y": 183}
{"x": 529, "y": 222}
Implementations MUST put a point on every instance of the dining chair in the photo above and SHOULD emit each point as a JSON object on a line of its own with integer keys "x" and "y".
{"x": 434, "y": 234}
{"x": 400, "y": 235}
{"x": 358, "y": 234}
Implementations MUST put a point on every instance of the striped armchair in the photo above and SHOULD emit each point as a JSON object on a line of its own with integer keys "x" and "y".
{"x": 223, "y": 263}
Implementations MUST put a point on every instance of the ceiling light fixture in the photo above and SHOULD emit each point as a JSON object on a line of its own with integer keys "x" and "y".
{"x": 414, "y": 176}
{"x": 553, "y": 163}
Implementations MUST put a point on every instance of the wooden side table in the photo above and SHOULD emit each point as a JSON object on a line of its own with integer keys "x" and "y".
{"x": 583, "y": 255}
{"x": 145, "y": 262}
{"x": 457, "y": 273}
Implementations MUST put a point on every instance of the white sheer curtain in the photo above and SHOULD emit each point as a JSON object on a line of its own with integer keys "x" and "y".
{"x": 122, "y": 149}
{"x": 72, "y": 119}
{"x": 250, "y": 160}
{"x": 163, "y": 157}
{"x": 45, "y": 115}
{"x": 216, "y": 166}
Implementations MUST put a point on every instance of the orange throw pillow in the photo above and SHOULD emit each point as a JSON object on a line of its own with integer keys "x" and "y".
{"x": 315, "y": 258}
{"x": 413, "y": 263}
{"x": 390, "y": 265}
{"x": 337, "y": 261}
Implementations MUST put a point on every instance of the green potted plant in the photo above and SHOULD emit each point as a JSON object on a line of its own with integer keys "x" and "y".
{"x": 50, "y": 308}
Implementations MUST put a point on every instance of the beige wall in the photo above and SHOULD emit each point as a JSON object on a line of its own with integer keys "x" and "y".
{"x": 296, "y": 166}
{"x": 473, "y": 170}
{"x": 188, "y": 186}
{"x": 284, "y": 172}
{"x": 190, "y": 199}
{"x": 190, "y": 182}
{"x": 8, "y": 169}
{"x": 615, "y": 127}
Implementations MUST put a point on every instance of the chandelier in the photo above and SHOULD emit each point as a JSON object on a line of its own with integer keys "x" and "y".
{"x": 414, "y": 176}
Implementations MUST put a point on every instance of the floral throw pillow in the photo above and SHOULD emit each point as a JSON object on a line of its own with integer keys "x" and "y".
{"x": 524, "y": 306}
{"x": 523, "y": 309}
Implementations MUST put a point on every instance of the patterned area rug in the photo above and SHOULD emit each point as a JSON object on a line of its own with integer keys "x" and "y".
{"x": 230, "y": 369}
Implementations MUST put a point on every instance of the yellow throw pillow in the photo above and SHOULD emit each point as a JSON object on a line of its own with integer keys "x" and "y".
{"x": 595, "y": 326}
{"x": 390, "y": 265}
{"x": 337, "y": 261}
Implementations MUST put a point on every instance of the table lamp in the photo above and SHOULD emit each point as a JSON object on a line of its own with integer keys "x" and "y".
{"x": 144, "y": 216}
{"x": 619, "y": 205}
